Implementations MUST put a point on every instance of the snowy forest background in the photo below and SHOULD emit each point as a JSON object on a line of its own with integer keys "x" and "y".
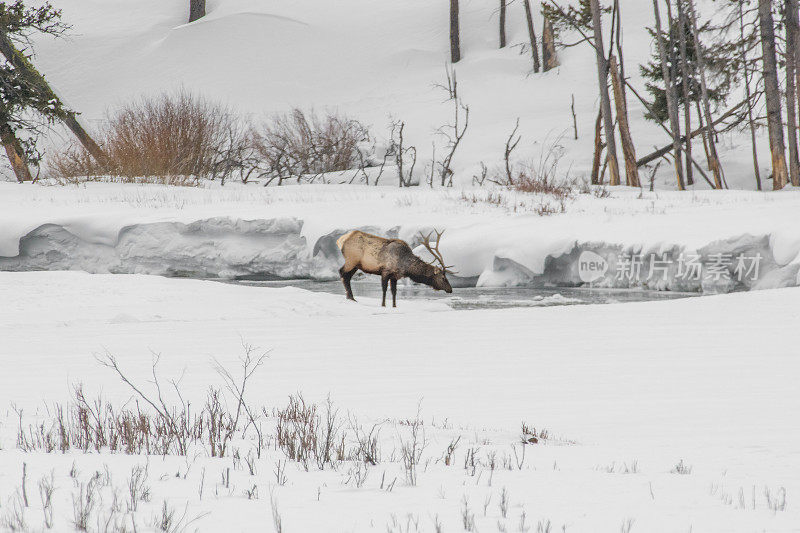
{"x": 424, "y": 93}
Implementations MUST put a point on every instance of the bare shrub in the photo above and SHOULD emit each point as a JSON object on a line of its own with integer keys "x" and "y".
{"x": 138, "y": 489}
{"x": 531, "y": 436}
{"x": 681, "y": 468}
{"x": 173, "y": 138}
{"x": 307, "y": 434}
{"x": 46, "y": 490}
{"x": 405, "y": 157}
{"x": 302, "y": 144}
{"x": 411, "y": 449}
{"x": 13, "y": 516}
{"x": 170, "y": 522}
{"x": 83, "y": 503}
{"x": 153, "y": 426}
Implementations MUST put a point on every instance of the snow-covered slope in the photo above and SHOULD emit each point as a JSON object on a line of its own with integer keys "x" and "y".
{"x": 370, "y": 59}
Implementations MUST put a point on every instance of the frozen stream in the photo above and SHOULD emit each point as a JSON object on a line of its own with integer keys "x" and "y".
{"x": 482, "y": 297}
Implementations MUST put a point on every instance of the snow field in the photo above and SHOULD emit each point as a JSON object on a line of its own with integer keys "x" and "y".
{"x": 710, "y": 381}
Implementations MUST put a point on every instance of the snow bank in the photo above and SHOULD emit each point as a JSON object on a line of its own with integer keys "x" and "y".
{"x": 696, "y": 242}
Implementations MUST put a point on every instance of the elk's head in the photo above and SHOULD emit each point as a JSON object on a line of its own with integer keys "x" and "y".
{"x": 440, "y": 270}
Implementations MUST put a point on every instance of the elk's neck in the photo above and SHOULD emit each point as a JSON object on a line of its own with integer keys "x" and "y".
{"x": 420, "y": 272}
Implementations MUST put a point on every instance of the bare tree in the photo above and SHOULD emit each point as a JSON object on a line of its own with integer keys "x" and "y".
{"x": 750, "y": 120}
{"x": 549, "y": 57}
{"x": 791, "y": 29}
{"x": 772, "y": 94}
{"x": 16, "y": 155}
{"x": 598, "y": 149}
{"x": 710, "y": 138}
{"x": 672, "y": 109}
{"x": 455, "y": 41}
{"x": 502, "y": 23}
{"x": 605, "y": 100}
{"x": 685, "y": 76}
{"x": 532, "y": 35}
{"x": 197, "y": 9}
{"x": 628, "y": 151}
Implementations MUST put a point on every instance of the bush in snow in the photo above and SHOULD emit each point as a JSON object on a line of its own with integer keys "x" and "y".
{"x": 174, "y": 138}
{"x": 298, "y": 144}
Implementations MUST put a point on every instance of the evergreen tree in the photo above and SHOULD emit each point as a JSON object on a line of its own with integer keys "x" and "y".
{"x": 722, "y": 62}
{"x": 24, "y": 106}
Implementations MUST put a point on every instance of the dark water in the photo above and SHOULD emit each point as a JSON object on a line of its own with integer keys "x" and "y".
{"x": 482, "y": 297}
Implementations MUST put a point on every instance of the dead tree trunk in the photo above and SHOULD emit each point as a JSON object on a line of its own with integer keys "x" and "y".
{"x": 713, "y": 159}
{"x": 605, "y": 101}
{"x": 15, "y": 154}
{"x": 598, "y": 149}
{"x": 672, "y": 108}
{"x": 685, "y": 75}
{"x": 197, "y": 9}
{"x": 790, "y": 23}
{"x": 18, "y": 60}
{"x": 502, "y": 23}
{"x": 549, "y": 57}
{"x": 628, "y": 151}
{"x": 455, "y": 40}
{"x": 772, "y": 95}
{"x": 751, "y": 122}
{"x": 532, "y": 36}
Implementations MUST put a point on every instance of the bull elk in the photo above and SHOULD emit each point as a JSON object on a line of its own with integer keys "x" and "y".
{"x": 391, "y": 259}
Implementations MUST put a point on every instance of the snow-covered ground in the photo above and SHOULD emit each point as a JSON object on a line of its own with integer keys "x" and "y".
{"x": 637, "y": 387}
{"x": 493, "y": 237}
{"x": 660, "y": 416}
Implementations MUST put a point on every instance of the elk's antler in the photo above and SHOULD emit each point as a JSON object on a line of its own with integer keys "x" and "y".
{"x": 434, "y": 250}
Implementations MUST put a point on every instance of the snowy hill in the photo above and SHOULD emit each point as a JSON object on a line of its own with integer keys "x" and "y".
{"x": 369, "y": 59}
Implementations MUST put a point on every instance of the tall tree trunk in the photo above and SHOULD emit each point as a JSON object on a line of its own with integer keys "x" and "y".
{"x": 197, "y": 9}
{"x": 793, "y": 5}
{"x": 14, "y": 152}
{"x": 750, "y": 121}
{"x": 32, "y": 76}
{"x": 502, "y": 23}
{"x": 790, "y": 23}
{"x": 549, "y": 57}
{"x": 628, "y": 151}
{"x": 532, "y": 35}
{"x": 605, "y": 101}
{"x": 672, "y": 108}
{"x": 714, "y": 163}
{"x": 598, "y": 149}
{"x": 772, "y": 95}
{"x": 687, "y": 95}
{"x": 455, "y": 40}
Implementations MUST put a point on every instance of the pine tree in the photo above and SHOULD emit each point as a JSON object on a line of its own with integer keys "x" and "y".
{"x": 23, "y": 105}
{"x": 722, "y": 62}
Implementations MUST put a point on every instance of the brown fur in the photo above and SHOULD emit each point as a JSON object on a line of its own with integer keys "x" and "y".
{"x": 391, "y": 259}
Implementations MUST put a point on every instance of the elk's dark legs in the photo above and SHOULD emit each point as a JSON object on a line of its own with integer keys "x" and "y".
{"x": 384, "y": 286}
{"x": 346, "y": 275}
{"x": 394, "y": 292}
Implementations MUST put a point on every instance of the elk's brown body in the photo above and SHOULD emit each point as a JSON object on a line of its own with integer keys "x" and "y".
{"x": 391, "y": 259}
